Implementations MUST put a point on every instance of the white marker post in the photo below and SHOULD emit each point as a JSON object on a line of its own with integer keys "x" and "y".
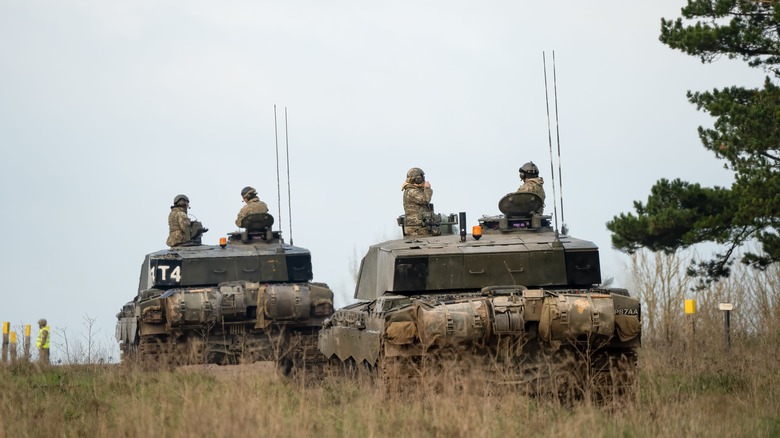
{"x": 727, "y": 308}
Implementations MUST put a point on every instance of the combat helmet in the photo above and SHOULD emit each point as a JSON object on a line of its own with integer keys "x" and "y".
{"x": 415, "y": 175}
{"x": 529, "y": 170}
{"x": 181, "y": 198}
{"x": 42, "y": 322}
{"x": 248, "y": 192}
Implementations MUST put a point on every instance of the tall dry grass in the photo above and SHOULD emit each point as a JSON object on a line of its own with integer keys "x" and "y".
{"x": 684, "y": 391}
{"x": 661, "y": 283}
{"x": 689, "y": 385}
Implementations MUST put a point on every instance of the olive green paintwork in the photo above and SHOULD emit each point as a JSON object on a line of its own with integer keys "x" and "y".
{"x": 512, "y": 294}
{"x": 213, "y": 303}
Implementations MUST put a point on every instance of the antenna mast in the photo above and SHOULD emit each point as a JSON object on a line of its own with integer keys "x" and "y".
{"x": 549, "y": 139}
{"x": 558, "y": 139}
{"x": 287, "y": 148}
{"x": 278, "y": 189}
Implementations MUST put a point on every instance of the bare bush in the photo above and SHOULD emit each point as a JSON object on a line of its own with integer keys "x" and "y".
{"x": 662, "y": 284}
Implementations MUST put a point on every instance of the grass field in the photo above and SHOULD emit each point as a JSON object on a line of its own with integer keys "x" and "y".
{"x": 683, "y": 392}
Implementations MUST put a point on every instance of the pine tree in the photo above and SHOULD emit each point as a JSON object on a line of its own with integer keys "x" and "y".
{"x": 745, "y": 136}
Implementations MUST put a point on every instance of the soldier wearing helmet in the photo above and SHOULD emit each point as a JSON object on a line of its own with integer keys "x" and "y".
{"x": 253, "y": 204}
{"x": 532, "y": 182}
{"x": 417, "y": 202}
{"x": 43, "y": 341}
{"x": 178, "y": 221}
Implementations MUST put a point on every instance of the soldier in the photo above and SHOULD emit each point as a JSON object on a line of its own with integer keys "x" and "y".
{"x": 532, "y": 182}
{"x": 253, "y": 204}
{"x": 417, "y": 202}
{"x": 178, "y": 221}
{"x": 43, "y": 342}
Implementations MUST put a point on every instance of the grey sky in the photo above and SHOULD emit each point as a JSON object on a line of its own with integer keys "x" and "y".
{"x": 110, "y": 108}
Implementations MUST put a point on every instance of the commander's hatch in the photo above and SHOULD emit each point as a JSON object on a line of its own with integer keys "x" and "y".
{"x": 517, "y": 209}
{"x": 257, "y": 227}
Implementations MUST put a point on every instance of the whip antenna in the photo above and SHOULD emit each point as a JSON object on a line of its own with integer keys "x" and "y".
{"x": 558, "y": 139}
{"x": 287, "y": 149}
{"x": 549, "y": 139}
{"x": 278, "y": 189}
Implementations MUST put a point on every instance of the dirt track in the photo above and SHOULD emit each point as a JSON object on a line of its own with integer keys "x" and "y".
{"x": 229, "y": 370}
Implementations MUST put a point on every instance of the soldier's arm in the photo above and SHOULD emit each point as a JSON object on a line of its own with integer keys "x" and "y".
{"x": 44, "y": 337}
{"x": 184, "y": 224}
{"x": 239, "y": 217}
{"x": 421, "y": 196}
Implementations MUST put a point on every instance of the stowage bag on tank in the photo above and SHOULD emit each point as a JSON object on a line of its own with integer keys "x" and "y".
{"x": 627, "y": 318}
{"x": 192, "y": 306}
{"x": 285, "y": 302}
{"x": 577, "y": 317}
{"x": 453, "y": 324}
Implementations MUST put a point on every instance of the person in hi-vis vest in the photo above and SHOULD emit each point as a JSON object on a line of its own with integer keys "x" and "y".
{"x": 43, "y": 342}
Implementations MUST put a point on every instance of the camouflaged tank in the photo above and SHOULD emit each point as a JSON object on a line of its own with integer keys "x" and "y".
{"x": 514, "y": 301}
{"x": 249, "y": 299}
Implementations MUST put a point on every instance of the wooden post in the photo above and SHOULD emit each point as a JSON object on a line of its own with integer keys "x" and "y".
{"x": 6, "y": 327}
{"x": 726, "y": 308}
{"x": 13, "y": 347}
{"x": 27, "y": 342}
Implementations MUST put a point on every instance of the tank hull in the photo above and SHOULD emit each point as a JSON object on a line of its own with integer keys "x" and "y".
{"x": 569, "y": 342}
{"x": 230, "y": 323}
{"x": 246, "y": 301}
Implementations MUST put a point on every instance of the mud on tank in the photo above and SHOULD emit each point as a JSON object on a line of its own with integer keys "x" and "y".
{"x": 514, "y": 300}
{"x": 249, "y": 299}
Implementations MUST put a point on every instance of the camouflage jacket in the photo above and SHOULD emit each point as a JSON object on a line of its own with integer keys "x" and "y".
{"x": 417, "y": 201}
{"x": 252, "y": 206}
{"x": 534, "y": 185}
{"x": 178, "y": 226}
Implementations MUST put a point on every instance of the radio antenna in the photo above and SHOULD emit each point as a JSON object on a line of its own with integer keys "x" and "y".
{"x": 549, "y": 139}
{"x": 558, "y": 139}
{"x": 278, "y": 189}
{"x": 289, "y": 197}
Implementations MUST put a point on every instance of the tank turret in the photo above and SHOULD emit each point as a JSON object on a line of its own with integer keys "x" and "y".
{"x": 513, "y": 296}
{"x": 250, "y": 298}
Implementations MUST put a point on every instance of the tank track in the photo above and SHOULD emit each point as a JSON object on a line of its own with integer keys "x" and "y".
{"x": 292, "y": 350}
{"x": 566, "y": 374}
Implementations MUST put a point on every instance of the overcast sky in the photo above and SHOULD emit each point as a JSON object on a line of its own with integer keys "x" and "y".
{"x": 110, "y": 108}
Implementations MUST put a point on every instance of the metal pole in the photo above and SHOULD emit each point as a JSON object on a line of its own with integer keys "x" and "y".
{"x": 727, "y": 327}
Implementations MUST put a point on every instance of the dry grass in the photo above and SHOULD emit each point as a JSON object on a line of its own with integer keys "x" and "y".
{"x": 688, "y": 391}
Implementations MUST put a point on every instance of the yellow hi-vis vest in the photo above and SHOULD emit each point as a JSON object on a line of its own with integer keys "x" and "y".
{"x": 40, "y": 336}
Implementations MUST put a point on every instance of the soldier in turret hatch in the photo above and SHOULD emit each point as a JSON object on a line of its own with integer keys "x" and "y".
{"x": 417, "y": 202}
{"x": 253, "y": 204}
{"x": 532, "y": 182}
{"x": 178, "y": 221}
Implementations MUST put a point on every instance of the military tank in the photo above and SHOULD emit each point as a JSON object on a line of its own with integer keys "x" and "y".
{"x": 248, "y": 299}
{"x": 514, "y": 301}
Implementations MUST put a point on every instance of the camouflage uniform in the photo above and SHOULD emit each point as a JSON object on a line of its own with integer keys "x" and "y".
{"x": 534, "y": 185}
{"x": 417, "y": 202}
{"x": 178, "y": 226}
{"x": 252, "y": 206}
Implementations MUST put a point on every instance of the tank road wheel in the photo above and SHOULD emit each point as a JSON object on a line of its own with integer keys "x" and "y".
{"x": 559, "y": 375}
{"x": 398, "y": 375}
{"x": 390, "y": 372}
{"x": 189, "y": 350}
{"x": 297, "y": 352}
{"x": 614, "y": 375}
{"x": 129, "y": 354}
{"x": 155, "y": 352}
